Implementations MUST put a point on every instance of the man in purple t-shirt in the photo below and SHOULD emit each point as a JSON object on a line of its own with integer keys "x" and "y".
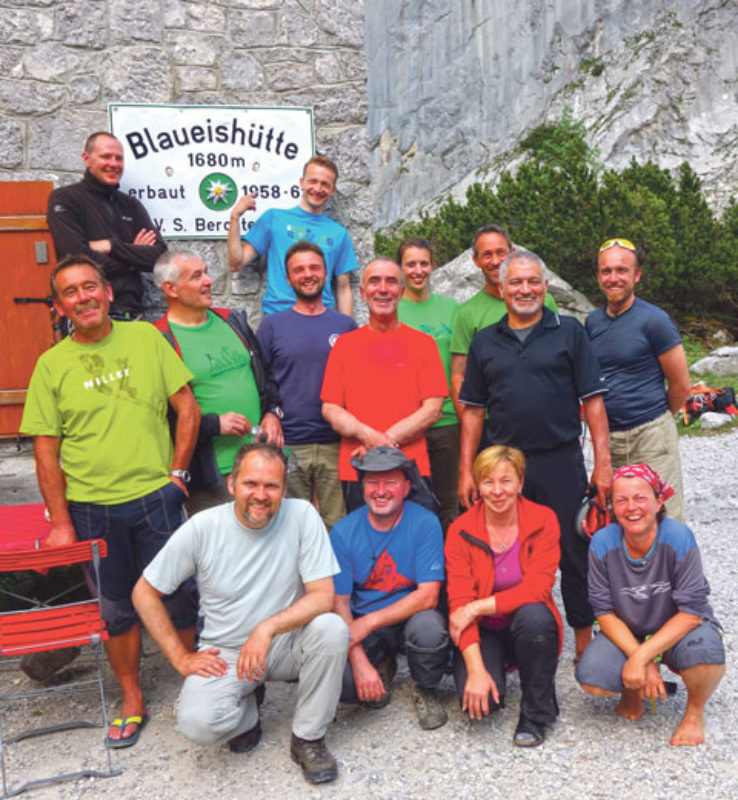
{"x": 295, "y": 344}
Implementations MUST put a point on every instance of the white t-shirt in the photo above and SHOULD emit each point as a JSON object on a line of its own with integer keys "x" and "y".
{"x": 244, "y": 575}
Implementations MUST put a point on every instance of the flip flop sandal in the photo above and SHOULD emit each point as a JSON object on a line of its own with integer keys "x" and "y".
{"x": 128, "y": 741}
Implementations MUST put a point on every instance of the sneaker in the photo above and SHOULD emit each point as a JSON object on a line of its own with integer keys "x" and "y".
{"x": 318, "y": 765}
{"x": 387, "y": 671}
{"x": 246, "y": 741}
{"x": 428, "y": 709}
{"x": 528, "y": 733}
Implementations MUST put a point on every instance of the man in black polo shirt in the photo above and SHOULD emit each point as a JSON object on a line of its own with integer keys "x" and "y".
{"x": 529, "y": 371}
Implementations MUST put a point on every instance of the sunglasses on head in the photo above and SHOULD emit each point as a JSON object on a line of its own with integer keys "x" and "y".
{"x": 626, "y": 243}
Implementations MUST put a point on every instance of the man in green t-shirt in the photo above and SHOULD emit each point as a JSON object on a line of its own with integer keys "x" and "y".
{"x": 491, "y": 245}
{"x": 106, "y": 466}
{"x": 234, "y": 388}
{"x": 433, "y": 314}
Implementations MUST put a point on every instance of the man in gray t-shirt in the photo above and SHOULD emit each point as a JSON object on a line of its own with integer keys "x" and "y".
{"x": 264, "y": 568}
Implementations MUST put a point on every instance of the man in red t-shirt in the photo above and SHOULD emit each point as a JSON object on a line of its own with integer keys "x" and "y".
{"x": 384, "y": 383}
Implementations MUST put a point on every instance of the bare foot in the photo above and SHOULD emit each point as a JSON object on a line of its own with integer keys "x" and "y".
{"x": 630, "y": 705}
{"x": 690, "y": 731}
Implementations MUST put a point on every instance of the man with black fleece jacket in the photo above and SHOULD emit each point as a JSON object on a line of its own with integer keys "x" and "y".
{"x": 94, "y": 218}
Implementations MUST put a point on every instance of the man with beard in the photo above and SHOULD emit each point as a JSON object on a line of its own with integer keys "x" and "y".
{"x": 530, "y": 371}
{"x": 264, "y": 568}
{"x": 234, "y": 389}
{"x": 295, "y": 344}
{"x": 94, "y": 218}
{"x": 278, "y": 228}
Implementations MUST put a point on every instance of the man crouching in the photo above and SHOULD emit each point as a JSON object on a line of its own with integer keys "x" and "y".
{"x": 264, "y": 568}
{"x": 391, "y": 556}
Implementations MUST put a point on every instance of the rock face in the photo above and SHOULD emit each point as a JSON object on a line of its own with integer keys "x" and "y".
{"x": 412, "y": 99}
{"x": 452, "y": 86}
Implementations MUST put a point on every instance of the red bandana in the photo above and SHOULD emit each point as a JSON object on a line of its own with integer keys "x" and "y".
{"x": 643, "y": 471}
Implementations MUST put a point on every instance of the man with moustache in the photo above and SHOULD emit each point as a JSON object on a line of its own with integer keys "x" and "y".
{"x": 639, "y": 347}
{"x": 277, "y": 229}
{"x": 529, "y": 372}
{"x": 491, "y": 245}
{"x": 234, "y": 388}
{"x": 384, "y": 383}
{"x": 295, "y": 344}
{"x": 94, "y": 218}
{"x": 264, "y": 569}
{"x": 106, "y": 465}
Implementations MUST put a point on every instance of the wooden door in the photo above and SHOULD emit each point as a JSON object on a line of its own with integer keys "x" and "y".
{"x": 26, "y": 258}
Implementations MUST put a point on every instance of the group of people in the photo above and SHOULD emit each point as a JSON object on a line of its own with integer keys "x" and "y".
{"x": 309, "y": 500}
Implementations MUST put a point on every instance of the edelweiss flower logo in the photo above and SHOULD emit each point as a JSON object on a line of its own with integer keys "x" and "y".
{"x": 217, "y": 191}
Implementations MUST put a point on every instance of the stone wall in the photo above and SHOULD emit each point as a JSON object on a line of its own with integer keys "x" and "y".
{"x": 454, "y": 85}
{"x": 63, "y": 61}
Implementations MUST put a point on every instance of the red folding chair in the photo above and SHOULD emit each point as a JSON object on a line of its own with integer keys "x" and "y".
{"x": 51, "y": 628}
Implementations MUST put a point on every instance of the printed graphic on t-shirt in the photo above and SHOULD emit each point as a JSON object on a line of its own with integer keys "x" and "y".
{"x": 103, "y": 379}
{"x": 385, "y": 577}
{"x": 299, "y": 233}
{"x": 228, "y": 360}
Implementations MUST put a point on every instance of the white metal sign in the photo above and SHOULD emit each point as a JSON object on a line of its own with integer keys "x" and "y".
{"x": 189, "y": 164}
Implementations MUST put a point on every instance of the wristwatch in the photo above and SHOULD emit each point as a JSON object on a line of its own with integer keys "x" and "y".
{"x": 277, "y": 411}
{"x": 182, "y": 474}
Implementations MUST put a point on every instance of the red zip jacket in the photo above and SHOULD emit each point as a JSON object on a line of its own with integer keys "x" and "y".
{"x": 470, "y": 567}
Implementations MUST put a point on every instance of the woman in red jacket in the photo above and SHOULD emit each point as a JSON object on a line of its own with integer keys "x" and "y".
{"x": 501, "y": 560}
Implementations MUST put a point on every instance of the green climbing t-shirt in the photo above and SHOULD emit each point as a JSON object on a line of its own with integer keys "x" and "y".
{"x": 435, "y": 316}
{"x": 107, "y": 402}
{"x": 224, "y": 380}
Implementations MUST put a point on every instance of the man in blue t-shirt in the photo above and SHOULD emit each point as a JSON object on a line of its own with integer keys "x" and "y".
{"x": 391, "y": 556}
{"x": 294, "y": 345}
{"x": 277, "y": 229}
{"x": 638, "y": 346}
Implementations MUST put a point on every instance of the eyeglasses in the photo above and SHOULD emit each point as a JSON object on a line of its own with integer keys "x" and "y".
{"x": 626, "y": 243}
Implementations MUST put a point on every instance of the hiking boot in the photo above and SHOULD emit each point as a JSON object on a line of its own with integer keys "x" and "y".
{"x": 318, "y": 765}
{"x": 246, "y": 741}
{"x": 387, "y": 671}
{"x": 42, "y": 665}
{"x": 428, "y": 709}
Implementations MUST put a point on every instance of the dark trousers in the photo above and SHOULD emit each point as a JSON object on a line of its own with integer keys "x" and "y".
{"x": 424, "y": 640}
{"x": 531, "y": 642}
{"x": 443, "y": 452}
{"x": 557, "y": 479}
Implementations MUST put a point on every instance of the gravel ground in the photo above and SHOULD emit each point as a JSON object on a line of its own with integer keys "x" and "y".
{"x": 591, "y": 752}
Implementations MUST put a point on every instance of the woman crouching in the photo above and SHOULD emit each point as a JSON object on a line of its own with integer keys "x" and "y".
{"x": 649, "y": 594}
{"x": 501, "y": 560}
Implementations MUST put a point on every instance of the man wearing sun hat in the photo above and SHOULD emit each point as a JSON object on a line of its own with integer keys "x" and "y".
{"x": 638, "y": 346}
{"x": 391, "y": 556}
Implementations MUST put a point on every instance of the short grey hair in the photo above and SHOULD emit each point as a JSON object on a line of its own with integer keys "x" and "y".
{"x": 524, "y": 255}
{"x": 383, "y": 260}
{"x": 167, "y": 266}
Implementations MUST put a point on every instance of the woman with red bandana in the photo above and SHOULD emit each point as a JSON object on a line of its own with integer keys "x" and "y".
{"x": 649, "y": 594}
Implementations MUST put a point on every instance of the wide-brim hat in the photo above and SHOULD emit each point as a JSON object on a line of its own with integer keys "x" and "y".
{"x": 382, "y": 459}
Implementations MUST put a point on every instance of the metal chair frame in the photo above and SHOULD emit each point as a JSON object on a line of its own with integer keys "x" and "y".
{"x": 50, "y": 628}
